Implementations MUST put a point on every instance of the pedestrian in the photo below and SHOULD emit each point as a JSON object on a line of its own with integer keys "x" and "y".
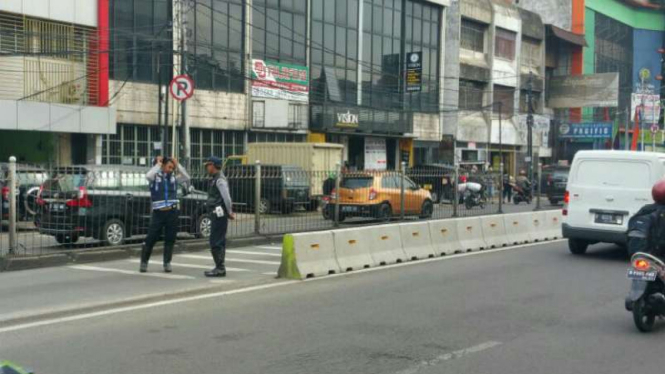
{"x": 507, "y": 188}
{"x": 164, "y": 178}
{"x": 220, "y": 208}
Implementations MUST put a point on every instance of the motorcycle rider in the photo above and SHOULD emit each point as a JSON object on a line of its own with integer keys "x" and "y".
{"x": 647, "y": 227}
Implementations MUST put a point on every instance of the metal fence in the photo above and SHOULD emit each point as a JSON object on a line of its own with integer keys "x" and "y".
{"x": 76, "y": 207}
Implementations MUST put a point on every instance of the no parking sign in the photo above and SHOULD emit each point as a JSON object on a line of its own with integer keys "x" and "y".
{"x": 182, "y": 87}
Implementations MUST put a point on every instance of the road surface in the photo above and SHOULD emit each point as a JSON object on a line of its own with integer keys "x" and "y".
{"x": 531, "y": 309}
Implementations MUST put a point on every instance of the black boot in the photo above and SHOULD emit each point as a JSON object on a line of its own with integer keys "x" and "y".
{"x": 145, "y": 257}
{"x": 168, "y": 255}
{"x": 220, "y": 268}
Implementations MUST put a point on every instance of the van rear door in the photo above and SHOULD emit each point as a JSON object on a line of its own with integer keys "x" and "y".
{"x": 605, "y": 193}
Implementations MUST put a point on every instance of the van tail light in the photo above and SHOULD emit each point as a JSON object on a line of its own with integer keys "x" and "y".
{"x": 372, "y": 194}
{"x": 566, "y": 201}
{"x": 40, "y": 201}
{"x": 82, "y": 201}
{"x": 333, "y": 194}
{"x": 5, "y": 193}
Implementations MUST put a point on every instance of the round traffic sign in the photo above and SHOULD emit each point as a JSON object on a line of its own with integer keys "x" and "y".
{"x": 182, "y": 87}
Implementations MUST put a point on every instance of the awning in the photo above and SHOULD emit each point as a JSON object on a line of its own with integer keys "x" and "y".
{"x": 568, "y": 36}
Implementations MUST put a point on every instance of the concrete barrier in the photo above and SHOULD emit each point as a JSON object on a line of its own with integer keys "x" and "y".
{"x": 444, "y": 237}
{"x": 553, "y": 221}
{"x": 470, "y": 234}
{"x": 494, "y": 231}
{"x": 308, "y": 255}
{"x": 416, "y": 240}
{"x": 517, "y": 228}
{"x": 352, "y": 249}
{"x": 537, "y": 227}
{"x": 385, "y": 244}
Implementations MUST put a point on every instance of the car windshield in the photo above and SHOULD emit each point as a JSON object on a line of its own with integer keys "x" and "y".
{"x": 31, "y": 177}
{"x": 66, "y": 181}
{"x": 357, "y": 182}
{"x": 295, "y": 178}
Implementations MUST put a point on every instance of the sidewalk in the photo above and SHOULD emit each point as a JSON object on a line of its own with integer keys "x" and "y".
{"x": 30, "y": 293}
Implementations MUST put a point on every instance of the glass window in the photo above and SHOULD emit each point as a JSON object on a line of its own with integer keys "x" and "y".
{"x": 473, "y": 36}
{"x": 470, "y": 95}
{"x": 504, "y": 100}
{"x": 531, "y": 53}
{"x": 504, "y": 44}
{"x": 282, "y": 30}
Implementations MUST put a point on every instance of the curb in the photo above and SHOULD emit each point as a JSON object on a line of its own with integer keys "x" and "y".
{"x": 14, "y": 263}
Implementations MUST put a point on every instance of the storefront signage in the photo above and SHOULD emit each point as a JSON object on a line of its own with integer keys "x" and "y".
{"x": 375, "y": 154}
{"x": 276, "y": 80}
{"x": 414, "y": 71}
{"x": 347, "y": 120}
{"x": 598, "y": 130}
{"x": 649, "y": 105}
{"x": 584, "y": 91}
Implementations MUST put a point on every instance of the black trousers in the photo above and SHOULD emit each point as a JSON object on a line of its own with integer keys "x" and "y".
{"x": 166, "y": 221}
{"x": 218, "y": 239}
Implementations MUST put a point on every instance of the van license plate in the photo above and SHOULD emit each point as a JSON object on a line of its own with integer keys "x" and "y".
{"x": 609, "y": 218}
{"x": 648, "y": 276}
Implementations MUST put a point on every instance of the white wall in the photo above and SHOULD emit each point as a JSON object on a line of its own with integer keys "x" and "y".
{"x": 81, "y": 12}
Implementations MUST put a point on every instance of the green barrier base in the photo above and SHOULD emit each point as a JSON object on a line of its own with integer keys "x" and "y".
{"x": 7, "y": 367}
{"x": 288, "y": 268}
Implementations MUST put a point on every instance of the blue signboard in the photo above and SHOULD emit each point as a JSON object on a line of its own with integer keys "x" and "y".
{"x": 595, "y": 130}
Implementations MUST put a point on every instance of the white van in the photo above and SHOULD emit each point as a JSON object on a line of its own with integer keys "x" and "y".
{"x": 605, "y": 189}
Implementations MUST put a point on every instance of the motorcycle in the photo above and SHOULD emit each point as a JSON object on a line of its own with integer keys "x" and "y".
{"x": 473, "y": 195}
{"x": 646, "y": 299}
{"x": 522, "y": 194}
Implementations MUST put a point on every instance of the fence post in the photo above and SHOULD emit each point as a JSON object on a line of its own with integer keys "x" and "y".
{"x": 540, "y": 185}
{"x": 455, "y": 191}
{"x": 338, "y": 178}
{"x": 13, "y": 243}
{"x": 501, "y": 188}
{"x": 257, "y": 199}
{"x": 401, "y": 191}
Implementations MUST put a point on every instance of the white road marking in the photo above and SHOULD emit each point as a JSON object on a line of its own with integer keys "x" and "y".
{"x": 199, "y": 257}
{"x": 275, "y": 274}
{"x": 187, "y": 299}
{"x": 450, "y": 356}
{"x": 192, "y": 266}
{"x": 268, "y": 247}
{"x": 250, "y": 253}
{"x": 130, "y": 272}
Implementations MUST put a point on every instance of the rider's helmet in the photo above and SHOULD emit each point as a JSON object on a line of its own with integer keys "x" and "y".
{"x": 523, "y": 172}
{"x": 658, "y": 192}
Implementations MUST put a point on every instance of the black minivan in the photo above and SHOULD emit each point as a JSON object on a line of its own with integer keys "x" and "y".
{"x": 29, "y": 179}
{"x": 283, "y": 187}
{"x": 108, "y": 203}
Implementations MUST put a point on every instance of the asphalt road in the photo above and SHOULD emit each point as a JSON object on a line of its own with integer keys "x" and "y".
{"x": 32, "y": 243}
{"x": 534, "y": 309}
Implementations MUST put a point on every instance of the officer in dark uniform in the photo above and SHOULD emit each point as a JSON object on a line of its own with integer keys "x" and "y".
{"x": 164, "y": 196}
{"x": 220, "y": 208}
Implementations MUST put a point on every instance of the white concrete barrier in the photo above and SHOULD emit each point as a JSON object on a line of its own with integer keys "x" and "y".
{"x": 308, "y": 255}
{"x": 553, "y": 221}
{"x": 352, "y": 249}
{"x": 416, "y": 240}
{"x": 470, "y": 234}
{"x": 494, "y": 231}
{"x": 444, "y": 237}
{"x": 385, "y": 244}
{"x": 517, "y": 228}
{"x": 537, "y": 224}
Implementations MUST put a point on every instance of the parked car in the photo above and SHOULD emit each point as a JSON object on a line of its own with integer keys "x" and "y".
{"x": 378, "y": 195}
{"x": 29, "y": 179}
{"x": 108, "y": 203}
{"x": 604, "y": 190}
{"x": 283, "y": 187}
{"x": 554, "y": 181}
{"x": 435, "y": 178}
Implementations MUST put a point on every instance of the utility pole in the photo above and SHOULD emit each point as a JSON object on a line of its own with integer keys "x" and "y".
{"x": 183, "y": 66}
{"x": 159, "y": 102}
{"x": 529, "y": 125}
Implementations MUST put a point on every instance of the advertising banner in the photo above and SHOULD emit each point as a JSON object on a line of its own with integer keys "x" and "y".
{"x": 651, "y": 109}
{"x": 276, "y": 80}
{"x": 596, "y": 130}
{"x": 584, "y": 91}
{"x": 375, "y": 154}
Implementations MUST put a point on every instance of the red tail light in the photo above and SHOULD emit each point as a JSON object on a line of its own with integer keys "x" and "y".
{"x": 566, "y": 200}
{"x": 40, "y": 201}
{"x": 333, "y": 194}
{"x": 372, "y": 194}
{"x": 641, "y": 264}
{"x": 82, "y": 201}
{"x": 5, "y": 193}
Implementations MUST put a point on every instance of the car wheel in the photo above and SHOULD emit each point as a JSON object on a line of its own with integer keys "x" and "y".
{"x": 264, "y": 206}
{"x": 203, "y": 226}
{"x": 435, "y": 197}
{"x": 113, "y": 233}
{"x": 66, "y": 239}
{"x": 427, "y": 210}
{"x": 577, "y": 246}
{"x": 384, "y": 213}
{"x": 30, "y": 202}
